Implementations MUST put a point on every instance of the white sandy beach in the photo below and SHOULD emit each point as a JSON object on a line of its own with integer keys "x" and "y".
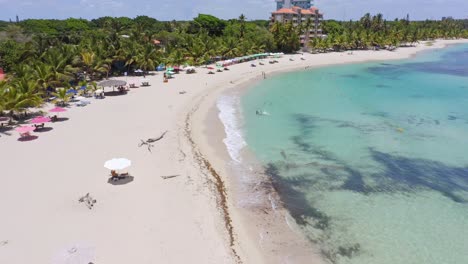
{"x": 191, "y": 218}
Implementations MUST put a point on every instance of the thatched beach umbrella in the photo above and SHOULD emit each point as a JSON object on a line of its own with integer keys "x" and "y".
{"x": 113, "y": 83}
{"x": 108, "y": 83}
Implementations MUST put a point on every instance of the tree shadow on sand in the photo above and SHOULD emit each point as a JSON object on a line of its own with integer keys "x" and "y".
{"x": 6, "y": 130}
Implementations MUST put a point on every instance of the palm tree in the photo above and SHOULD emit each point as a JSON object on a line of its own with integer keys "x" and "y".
{"x": 61, "y": 70}
{"x": 62, "y": 97}
{"x": 147, "y": 58}
{"x": 366, "y": 21}
{"x": 242, "y": 26}
{"x": 230, "y": 47}
{"x": 88, "y": 59}
{"x": 43, "y": 75}
{"x": 23, "y": 93}
{"x": 307, "y": 25}
{"x": 3, "y": 95}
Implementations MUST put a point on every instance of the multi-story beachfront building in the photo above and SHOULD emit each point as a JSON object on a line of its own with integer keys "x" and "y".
{"x": 305, "y": 4}
{"x": 310, "y": 17}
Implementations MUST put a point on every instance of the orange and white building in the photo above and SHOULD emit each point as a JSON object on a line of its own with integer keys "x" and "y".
{"x": 298, "y": 16}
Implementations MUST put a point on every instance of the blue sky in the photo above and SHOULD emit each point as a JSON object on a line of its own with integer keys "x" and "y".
{"x": 253, "y": 9}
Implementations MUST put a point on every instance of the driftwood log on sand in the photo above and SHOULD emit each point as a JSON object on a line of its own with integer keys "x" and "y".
{"x": 151, "y": 140}
{"x": 170, "y": 176}
{"x": 87, "y": 200}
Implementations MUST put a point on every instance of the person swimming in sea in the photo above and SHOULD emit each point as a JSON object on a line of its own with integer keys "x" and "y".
{"x": 262, "y": 113}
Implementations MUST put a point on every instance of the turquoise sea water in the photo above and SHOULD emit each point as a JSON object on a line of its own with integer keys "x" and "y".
{"x": 371, "y": 159}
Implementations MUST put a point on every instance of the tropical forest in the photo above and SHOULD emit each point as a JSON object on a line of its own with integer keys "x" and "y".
{"x": 43, "y": 56}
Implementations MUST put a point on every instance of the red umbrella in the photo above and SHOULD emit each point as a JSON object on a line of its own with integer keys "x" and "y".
{"x": 210, "y": 68}
{"x": 40, "y": 120}
{"x": 57, "y": 110}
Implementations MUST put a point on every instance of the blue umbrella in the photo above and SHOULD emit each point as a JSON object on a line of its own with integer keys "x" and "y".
{"x": 83, "y": 88}
{"x": 72, "y": 91}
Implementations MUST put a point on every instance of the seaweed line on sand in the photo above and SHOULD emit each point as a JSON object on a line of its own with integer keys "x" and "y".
{"x": 218, "y": 182}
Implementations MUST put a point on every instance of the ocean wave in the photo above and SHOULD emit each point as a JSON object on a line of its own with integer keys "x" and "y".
{"x": 229, "y": 114}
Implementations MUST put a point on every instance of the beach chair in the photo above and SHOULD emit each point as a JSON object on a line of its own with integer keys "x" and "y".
{"x": 116, "y": 176}
{"x": 39, "y": 127}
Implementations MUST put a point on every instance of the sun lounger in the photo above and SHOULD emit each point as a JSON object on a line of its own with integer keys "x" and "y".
{"x": 38, "y": 127}
{"x": 82, "y": 103}
{"x": 116, "y": 176}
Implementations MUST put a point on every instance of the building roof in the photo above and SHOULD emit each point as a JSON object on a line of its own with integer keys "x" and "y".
{"x": 295, "y": 10}
{"x": 285, "y": 11}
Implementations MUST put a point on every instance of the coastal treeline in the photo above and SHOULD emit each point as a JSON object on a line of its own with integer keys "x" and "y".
{"x": 41, "y": 55}
{"x": 374, "y": 32}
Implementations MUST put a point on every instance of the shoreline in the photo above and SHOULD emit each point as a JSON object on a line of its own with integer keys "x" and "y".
{"x": 215, "y": 150}
{"x": 181, "y": 197}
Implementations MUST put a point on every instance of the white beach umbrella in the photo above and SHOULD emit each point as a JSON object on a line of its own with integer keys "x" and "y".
{"x": 98, "y": 91}
{"x": 117, "y": 164}
{"x": 144, "y": 80}
{"x": 75, "y": 254}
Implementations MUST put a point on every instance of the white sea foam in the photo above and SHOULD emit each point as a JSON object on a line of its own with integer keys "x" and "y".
{"x": 229, "y": 114}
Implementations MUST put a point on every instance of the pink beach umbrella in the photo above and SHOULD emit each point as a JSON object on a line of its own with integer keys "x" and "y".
{"x": 57, "y": 110}
{"x": 40, "y": 120}
{"x": 24, "y": 129}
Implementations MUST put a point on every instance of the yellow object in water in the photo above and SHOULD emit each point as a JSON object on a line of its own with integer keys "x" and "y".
{"x": 401, "y": 130}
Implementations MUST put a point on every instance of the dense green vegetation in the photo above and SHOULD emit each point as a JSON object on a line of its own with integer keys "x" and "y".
{"x": 43, "y": 55}
{"x": 375, "y": 32}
